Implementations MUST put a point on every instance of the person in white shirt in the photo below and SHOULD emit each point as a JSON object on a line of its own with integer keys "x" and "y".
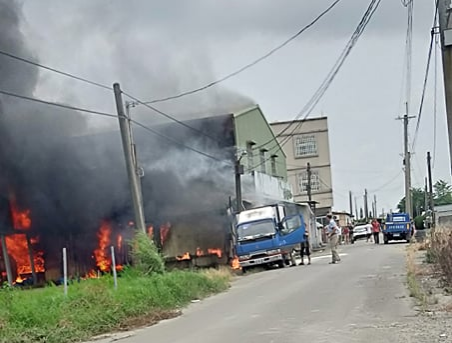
{"x": 369, "y": 233}
{"x": 332, "y": 233}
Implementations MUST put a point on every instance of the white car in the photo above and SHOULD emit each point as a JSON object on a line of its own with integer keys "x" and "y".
{"x": 360, "y": 232}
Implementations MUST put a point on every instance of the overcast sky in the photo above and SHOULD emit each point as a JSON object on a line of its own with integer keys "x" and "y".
{"x": 158, "y": 48}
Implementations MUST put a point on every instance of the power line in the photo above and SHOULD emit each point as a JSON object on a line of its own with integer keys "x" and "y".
{"x": 370, "y": 11}
{"x": 75, "y": 77}
{"x": 166, "y": 115}
{"x": 427, "y": 71}
{"x": 74, "y": 108}
{"x": 69, "y": 107}
{"x": 383, "y": 186}
{"x": 251, "y": 64}
{"x": 147, "y": 128}
{"x": 435, "y": 101}
{"x": 318, "y": 95}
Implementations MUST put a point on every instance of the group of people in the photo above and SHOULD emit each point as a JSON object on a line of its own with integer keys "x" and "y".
{"x": 336, "y": 235}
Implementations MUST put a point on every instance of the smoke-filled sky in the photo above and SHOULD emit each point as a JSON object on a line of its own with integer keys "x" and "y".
{"x": 158, "y": 48}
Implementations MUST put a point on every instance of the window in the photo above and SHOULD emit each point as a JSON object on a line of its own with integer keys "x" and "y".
{"x": 303, "y": 182}
{"x": 263, "y": 162}
{"x": 291, "y": 224}
{"x": 305, "y": 145}
{"x": 273, "y": 162}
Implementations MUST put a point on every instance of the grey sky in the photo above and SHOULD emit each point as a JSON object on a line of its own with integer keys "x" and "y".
{"x": 158, "y": 48}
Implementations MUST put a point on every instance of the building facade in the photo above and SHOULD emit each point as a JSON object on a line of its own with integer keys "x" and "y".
{"x": 306, "y": 141}
{"x": 264, "y": 166}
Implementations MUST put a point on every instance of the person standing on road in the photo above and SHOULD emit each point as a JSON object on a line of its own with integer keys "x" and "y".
{"x": 306, "y": 247}
{"x": 346, "y": 233}
{"x": 332, "y": 233}
{"x": 369, "y": 233}
{"x": 376, "y": 231}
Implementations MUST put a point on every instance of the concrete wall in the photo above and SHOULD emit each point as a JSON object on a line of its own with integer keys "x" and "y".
{"x": 251, "y": 125}
{"x": 316, "y": 129}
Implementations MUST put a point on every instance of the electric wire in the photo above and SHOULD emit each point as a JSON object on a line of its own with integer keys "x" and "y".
{"x": 54, "y": 70}
{"x": 50, "y": 103}
{"x": 370, "y": 11}
{"x": 426, "y": 76}
{"x": 75, "y": 108}
{"x": 168, "y": 116}
{"x": 251, "y": 64}
{"x": 318, "y": 95}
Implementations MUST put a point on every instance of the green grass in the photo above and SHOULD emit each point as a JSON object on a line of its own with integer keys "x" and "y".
{"x": 93, "y": 307}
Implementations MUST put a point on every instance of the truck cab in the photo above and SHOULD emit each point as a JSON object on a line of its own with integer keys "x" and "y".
{"x": 397, "y": 227}
{"x": 269, "y": 235}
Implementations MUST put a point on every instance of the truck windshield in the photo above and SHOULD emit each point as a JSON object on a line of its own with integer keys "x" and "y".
{"x": 255, "y": 230}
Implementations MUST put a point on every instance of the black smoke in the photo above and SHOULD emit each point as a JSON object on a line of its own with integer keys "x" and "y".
{"x": 72, "y": 179}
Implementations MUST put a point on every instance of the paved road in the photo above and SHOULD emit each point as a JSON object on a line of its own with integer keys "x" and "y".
{"x": 363, "y": 299}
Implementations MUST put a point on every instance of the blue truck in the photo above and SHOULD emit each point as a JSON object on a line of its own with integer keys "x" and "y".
{"x": 397, "y": 227}
{"x": 269, "y": 235}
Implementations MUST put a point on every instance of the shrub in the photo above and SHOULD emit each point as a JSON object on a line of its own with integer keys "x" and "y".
{"x": 146, "y": 258}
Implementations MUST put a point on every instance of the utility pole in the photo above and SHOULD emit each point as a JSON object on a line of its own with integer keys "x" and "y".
{"x": 430, "y": 187}
{"x": 308, "y": 186}
{"x": 366, "y": 206}
{"x": 407, "y": 163}
{"x": 426, "y": 196}
{"x": 9, "y": 273}
{"x": 350, "y": 201}
{"x": 239, "y": 170}
{"x": 375, "y": 207}
{"x": 445, "y": 29}
{"x": 356, "y": 209}
{"x": 124, "y": 125}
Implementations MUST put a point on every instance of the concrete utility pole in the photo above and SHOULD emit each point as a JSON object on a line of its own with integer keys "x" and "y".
{"x": 426, "y": 195}
{"x": 366, "y": 205}
{"x": 356, "y": 209}
{"x": 350, "y": 202}
{"x": 430, "y": 187}
{"x": 407, "y": 163}
{"x": 445, "y": 27}
{"x": 375, "y": 207}
{"x": 308, "y": 186}
{"x": 239, "y": 170}
{"x": 124, "y": 125}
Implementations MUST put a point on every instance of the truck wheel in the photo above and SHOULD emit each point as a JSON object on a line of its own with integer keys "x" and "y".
{"x": 353, "y": 241}
{"x": 281, "y": 264}
{"x": 386, "y": 240}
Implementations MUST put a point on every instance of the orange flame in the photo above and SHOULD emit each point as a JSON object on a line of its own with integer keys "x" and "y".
{"x": 21, "y": 219}
{"x": 164, "y": 231}
{"x": 185, "y": 256}
{"x": 119, "y": 242}
{"x": 217, "y": 252}
{"x": 103, "y": 262}
{"x": 151, "y": 231}
{"x": 235, "y": 264}
{"x": 17, "y": 244}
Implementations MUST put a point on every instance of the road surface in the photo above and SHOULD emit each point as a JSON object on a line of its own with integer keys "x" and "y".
{"x": 362, "y": 299}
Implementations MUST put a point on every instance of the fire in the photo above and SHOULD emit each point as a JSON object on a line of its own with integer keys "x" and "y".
{"x": 199, "y": 252}
{"x": 235, "y": 264}
{"x": 164, "y": 231}
{"x": 119, "y": 242}
{"x": 18, "y": 245}
{"x": 103, "y": 262}
{"x": 185, "y": 256}
{"x": 217, "y": 252}
{"x": 21, "y": 219}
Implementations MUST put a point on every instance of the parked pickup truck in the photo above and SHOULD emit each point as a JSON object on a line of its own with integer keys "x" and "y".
{"x": 398, "y": 227}
{"x": 360, "y": 232}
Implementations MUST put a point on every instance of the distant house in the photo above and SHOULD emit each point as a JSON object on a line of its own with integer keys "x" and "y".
{"x": 306, "y": 141}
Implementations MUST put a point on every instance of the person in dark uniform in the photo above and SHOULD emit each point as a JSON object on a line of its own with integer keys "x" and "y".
{"x": 306, "y": 247}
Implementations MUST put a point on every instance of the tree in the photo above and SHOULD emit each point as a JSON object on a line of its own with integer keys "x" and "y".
{"x": 443, "y": 193}
{"x": 418, "y": 201}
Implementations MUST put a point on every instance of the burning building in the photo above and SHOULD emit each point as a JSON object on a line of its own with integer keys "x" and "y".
{"x": 62, "y": 187}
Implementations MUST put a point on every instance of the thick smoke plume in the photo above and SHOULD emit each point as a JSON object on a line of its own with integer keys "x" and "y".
{"x": 71, "y": 179}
